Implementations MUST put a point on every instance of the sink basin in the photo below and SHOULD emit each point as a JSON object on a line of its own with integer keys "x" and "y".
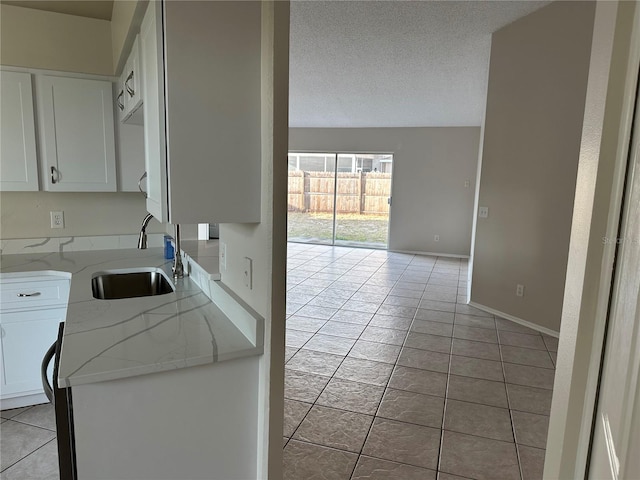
{"x": 130, "y": 284}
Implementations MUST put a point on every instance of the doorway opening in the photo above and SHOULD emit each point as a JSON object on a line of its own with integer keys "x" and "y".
{"x": 339, "y": 198}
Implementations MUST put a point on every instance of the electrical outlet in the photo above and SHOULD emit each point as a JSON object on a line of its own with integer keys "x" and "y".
{"x": 483, "y": 212}
{"x": 467, "y": 184}
{"x": 436, "y": 238}
{"x": 519, "y": 290}
{"x": 223, "y": 255}
{"x": 57, "y": 219}
{"x": 248, "y": 273}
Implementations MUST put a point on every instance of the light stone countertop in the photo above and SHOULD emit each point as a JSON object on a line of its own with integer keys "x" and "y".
{"x": 113, "y": 339}
{"x": 205, "y": 253}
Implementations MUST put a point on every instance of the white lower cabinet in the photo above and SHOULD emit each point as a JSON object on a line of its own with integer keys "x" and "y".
{"x": 25, "y": 339}
{"x": 76, "y": 134}
{"x": 197, "y": 422}
{"x": 26, "y": 332}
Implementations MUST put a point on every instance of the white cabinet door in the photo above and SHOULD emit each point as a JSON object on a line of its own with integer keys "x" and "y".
{"x": 76, "y": 130}
{"x": 31, "y": 308}
{"x": 18, "y": 161}
{"x": 120, "y": 99}
{"x": 202, "y": 111}
{"x": 133, "y": 86}
{"x": 129, "y": 154}
{"x": 130, "y": 148}
{"x": 25, "y": 338}
{"x": 213, "y": 108}
{"x": 153, "y": 107}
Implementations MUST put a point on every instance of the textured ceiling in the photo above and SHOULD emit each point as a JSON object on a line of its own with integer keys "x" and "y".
{"x": 393, "y": 64}
{"x": 100, "y": 9}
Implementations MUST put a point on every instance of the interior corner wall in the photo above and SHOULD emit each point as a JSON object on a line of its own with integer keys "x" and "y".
{"x": 265, "y": 242}
{"x": 533, "y": 127}
{"x": 54, "y": 41}
{"x": 126, "y": 18}
{"x": 430, "y": 168}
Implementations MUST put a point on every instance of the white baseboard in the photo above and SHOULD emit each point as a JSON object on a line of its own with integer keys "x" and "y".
{"x": 24, "y": 401}
{"x": 520, "y": 321}
{"x": 431, "y": 254}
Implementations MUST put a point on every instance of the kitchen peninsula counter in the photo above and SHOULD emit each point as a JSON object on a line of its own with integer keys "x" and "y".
{"x": 200, "y": 323}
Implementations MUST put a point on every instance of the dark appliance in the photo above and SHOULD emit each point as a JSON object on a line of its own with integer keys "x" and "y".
{"x": 63, "y": 404}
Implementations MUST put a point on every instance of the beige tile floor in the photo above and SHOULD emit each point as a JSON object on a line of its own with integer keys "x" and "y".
{"x": 28, "y": 449}
{"x": 390, "y": 375}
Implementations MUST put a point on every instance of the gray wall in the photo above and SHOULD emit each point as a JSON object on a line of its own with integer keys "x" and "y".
{"x": 26, "y": 214}
{"x": 533, "y": 126}
{"x": 430, "y": 168}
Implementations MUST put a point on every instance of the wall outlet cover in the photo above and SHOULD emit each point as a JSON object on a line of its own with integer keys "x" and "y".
{"x": 483, "y": 212}
{"x": 57, "y": 219}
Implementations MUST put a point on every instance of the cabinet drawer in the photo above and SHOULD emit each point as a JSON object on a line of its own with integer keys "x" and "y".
{"x": 28, "y": 295}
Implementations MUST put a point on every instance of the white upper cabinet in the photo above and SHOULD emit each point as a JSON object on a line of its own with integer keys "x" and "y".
{"x": 76, "y": 134}
{"x": 132, "y": 86}
{"x": 205, "y": 131}
{"x": 18, "y": 160}
{"x": 153, "y": 108}
{"x": 129, "y": 153}
{"x": 119, "y": 98}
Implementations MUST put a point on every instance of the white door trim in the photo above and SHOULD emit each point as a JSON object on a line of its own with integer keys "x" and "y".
{"x": 610, "y": 100}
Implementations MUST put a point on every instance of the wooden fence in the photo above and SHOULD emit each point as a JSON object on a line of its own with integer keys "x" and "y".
{"x": 365, "y": 193}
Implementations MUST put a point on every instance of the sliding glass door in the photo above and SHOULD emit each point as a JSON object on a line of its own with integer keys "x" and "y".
{"x": 339, "y": 199}
{"x": 311, "y": 197}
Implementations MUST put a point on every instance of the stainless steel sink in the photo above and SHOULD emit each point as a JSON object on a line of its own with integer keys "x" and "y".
{"x": 130, "y": 284}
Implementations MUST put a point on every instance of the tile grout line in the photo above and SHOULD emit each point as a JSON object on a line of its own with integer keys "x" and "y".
{"x": 32, "y": 425}
{"x": 324, "y": 388}
{"x": 386, "y": 383}
{"x": 26, "y": 409}
{"x": 333, "y": 376}
{"x": 409, "y": 331}
{"x": 54, "y": 439}
{"x": 513, "y": 425}
{"x": 384, "y": 391}
{"x": 314, "y": 402}
{"x": 446, "y": 393}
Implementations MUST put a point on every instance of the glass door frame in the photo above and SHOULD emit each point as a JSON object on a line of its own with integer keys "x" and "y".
{"x": 336, "y": 154}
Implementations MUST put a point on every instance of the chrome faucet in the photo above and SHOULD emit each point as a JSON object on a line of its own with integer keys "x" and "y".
{"x": 142, "y": 240}
{"x": 178, "y": 268}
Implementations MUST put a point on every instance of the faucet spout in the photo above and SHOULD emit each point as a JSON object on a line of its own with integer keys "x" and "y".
{"x": 178, "y": 267}
{"x": 142, "y": 239}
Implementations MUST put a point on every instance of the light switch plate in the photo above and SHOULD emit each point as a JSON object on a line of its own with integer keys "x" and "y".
{"x": 483, "y": 212}
{"x": 248, "y": 273}
{"x": 223, "y": 256}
